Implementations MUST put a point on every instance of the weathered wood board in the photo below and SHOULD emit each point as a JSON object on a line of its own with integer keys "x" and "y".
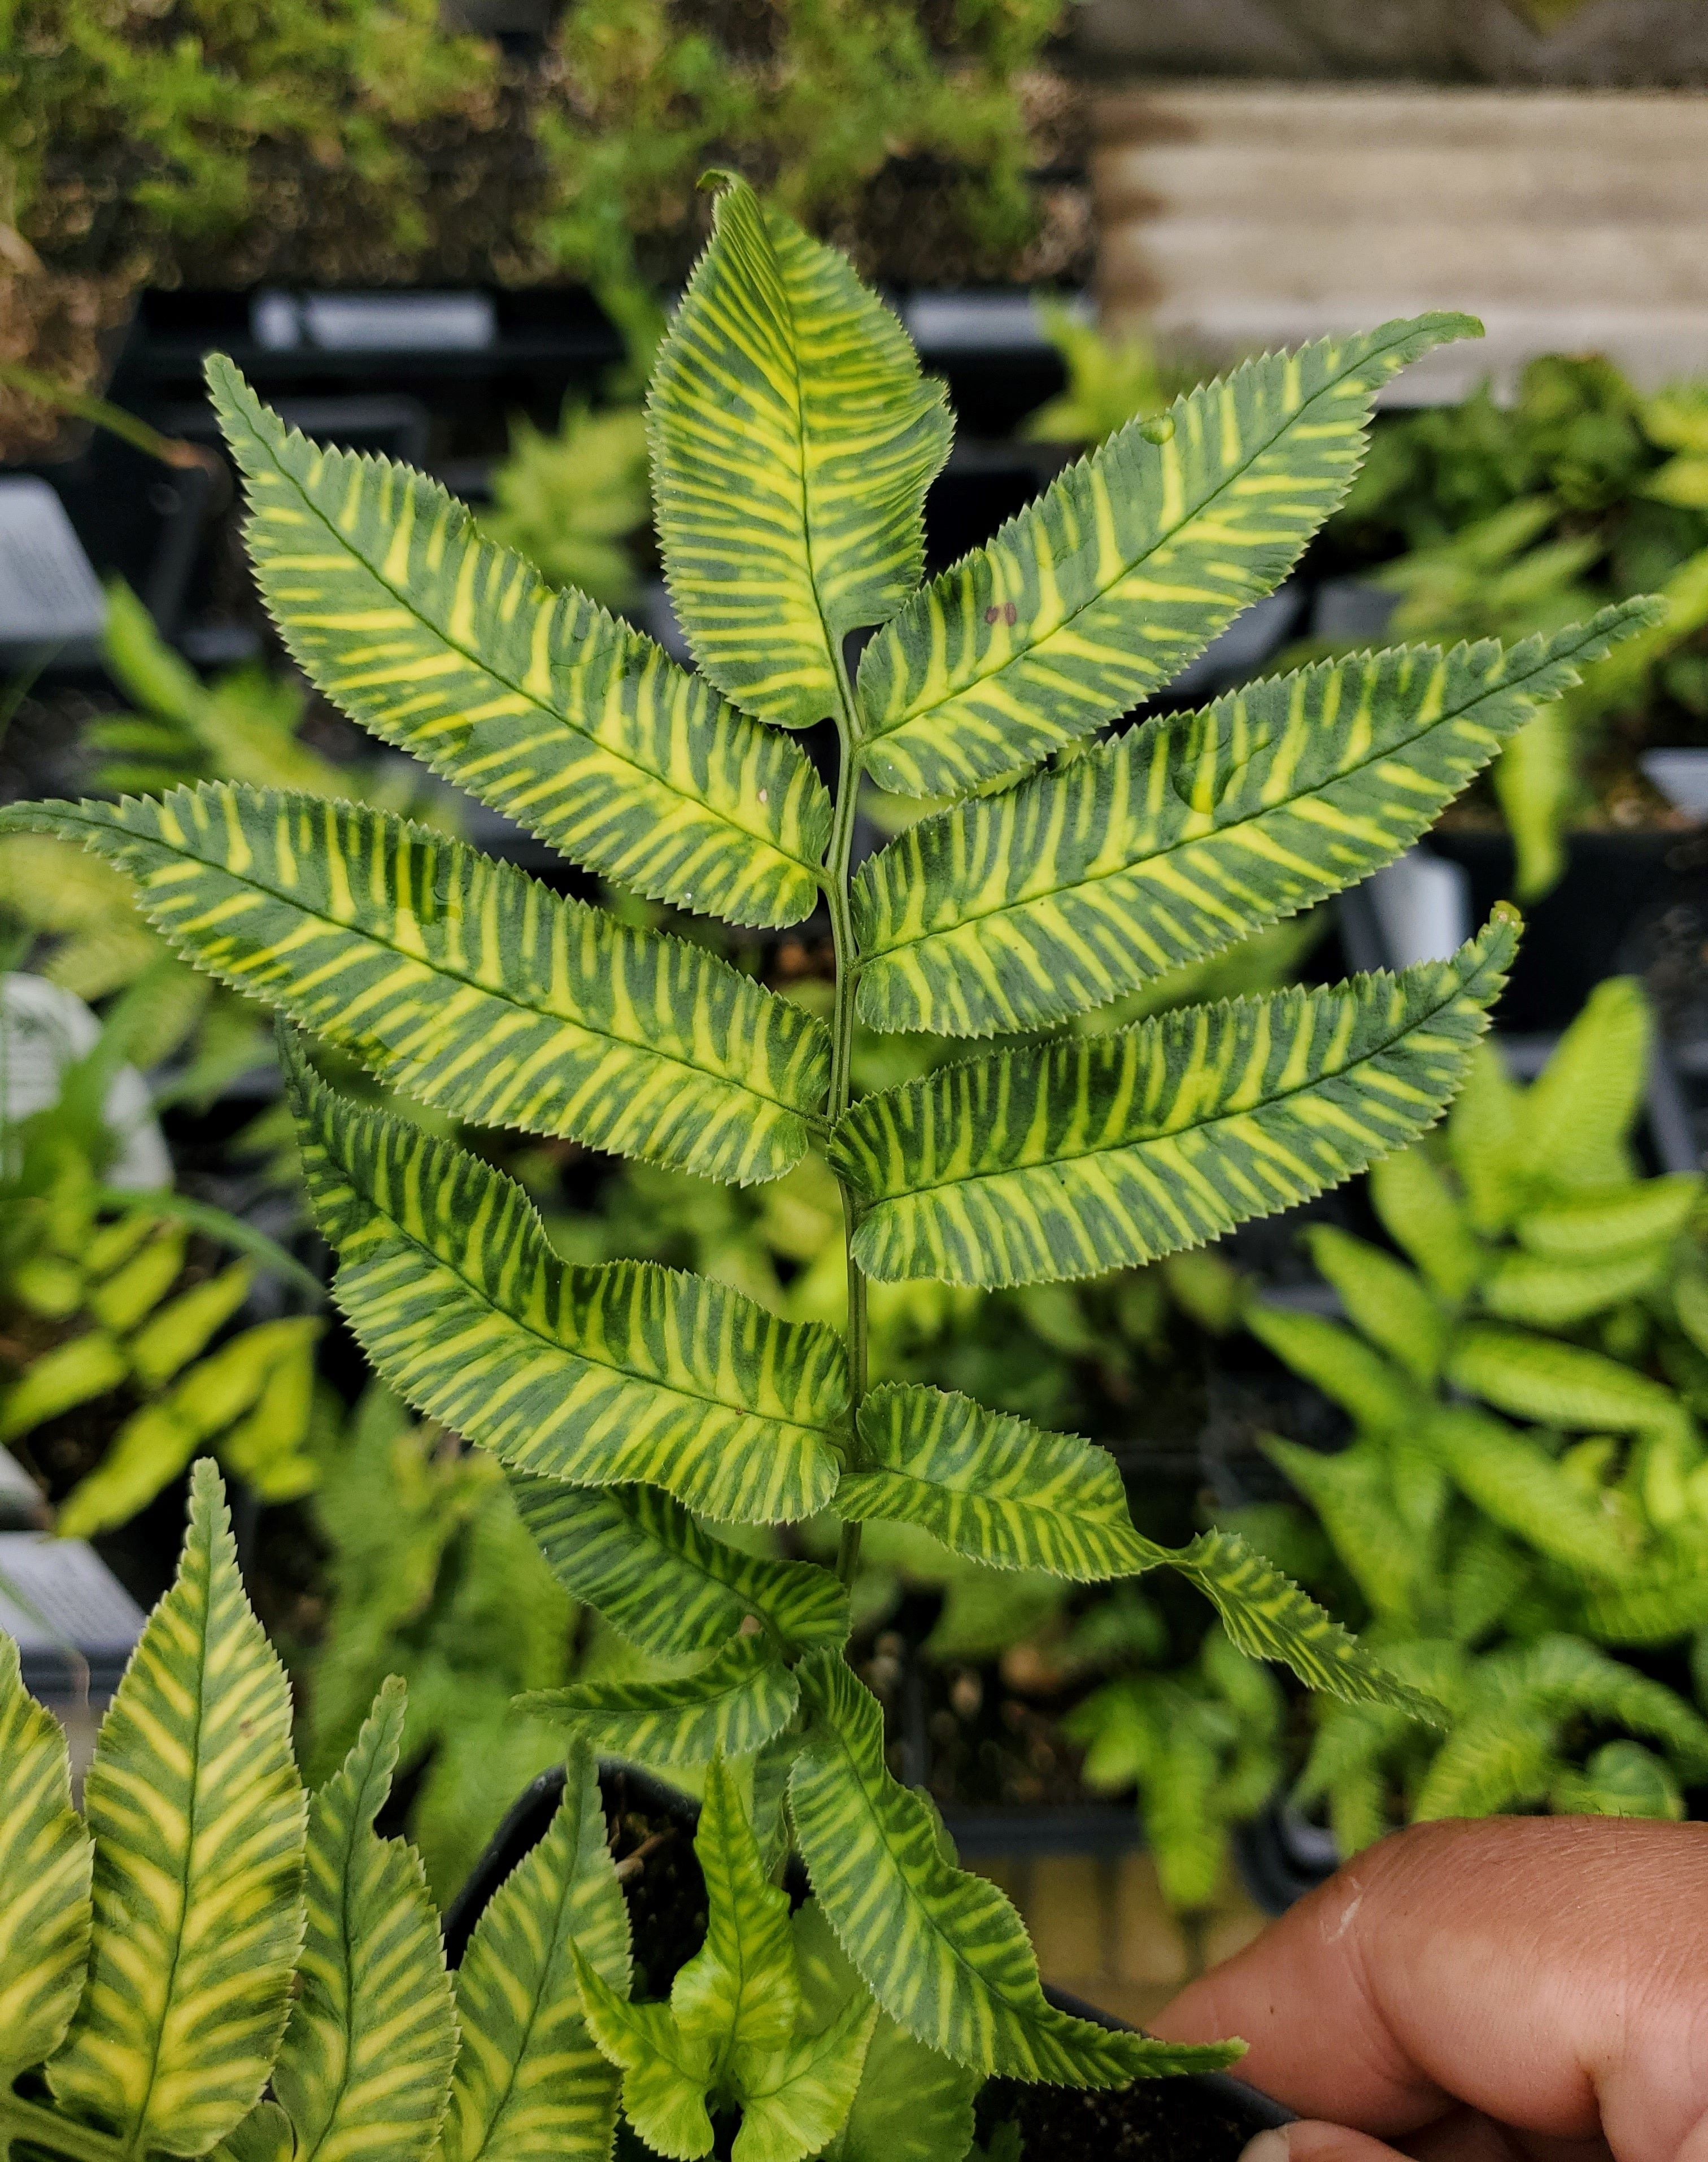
{"x": 1235, "y": 216}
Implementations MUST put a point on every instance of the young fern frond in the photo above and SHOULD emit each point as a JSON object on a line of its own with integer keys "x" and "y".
{"x": 257, "y": 1974}
{"x": 792, "y": 438}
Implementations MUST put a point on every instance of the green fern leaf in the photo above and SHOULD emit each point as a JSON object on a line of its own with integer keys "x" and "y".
{"x": 1391, "y": 1305}
{"x": 1493, "y": 1763}
{"x": 1503, "y": 1754}
{"x": 1488, "y": 1575}
{"x": 467, "y": 983}
{"x": 1540, "y": 1292}
{"x": 365, "y": 2067}
{"x": 796, "y": 2097}
{"x": 666, "y": 2077}
{"x": 740, "y": 1992}
{"x": 1327, "y": 1354}
{"x": 996, "y": 1489}
{"x": 537, "y": 703}
{"x": 1556, "y": 1384}
{"x": 640, "y": 1558}
{"x": 198, "y": 1819}
{"x": 46, "y": 1861}
{"x": 1355, "y": 1744}
{"x": 182, "y": 1328}
{"x": 1129, "y": 565}
{"x": 739, "y": 1699}
{"x": 264, "y": 2136}
{"x": 1622, "y": 1779}
{"x": 1654, "y": 1606}
{"x": 1073, "y": 1158}
{"x": 74, "y": 1372}
{"x": 792, "y": 441}
{"x": 1352, "y": 1491}
{"x": 1574, "y": 1681}
{"x": 912, "y": 2105}
{"x": 1580, "y": 1109}
{"x": 1417, "y": 1209}
{"x": 1268, "y": 1615}
{"x": 1161, "y": 848}
{"x": 205, "y": 1405}
{"x": 1517, "y": 1485}
{"x": 531, "y": 2084}
{"x": 1487, "y": 1142}
{"x": 1594, "y": 1227}
{"x": 943, "y": 1952}
{"x": 601, "y": 1376}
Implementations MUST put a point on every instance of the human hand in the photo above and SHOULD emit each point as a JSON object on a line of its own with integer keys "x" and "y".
{"x": 1533, "y": 1987}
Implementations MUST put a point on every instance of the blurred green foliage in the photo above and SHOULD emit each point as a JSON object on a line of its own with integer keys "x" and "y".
{"x": 1110, "y": 381}
{"x": 574, "y": 503}
{"x": 1525, "y": 1494}
{"x": 431, "y": 1574}
{"x": 1496, "y": 520}
{"x": 111, "y": 1320}
{"x": 809, "y": 100}
{"x": 194, "y": 137}
{"x": 169, "y": 105}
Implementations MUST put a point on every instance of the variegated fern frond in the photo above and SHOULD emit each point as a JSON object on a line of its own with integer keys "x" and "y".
{"x": 792, "y": 439}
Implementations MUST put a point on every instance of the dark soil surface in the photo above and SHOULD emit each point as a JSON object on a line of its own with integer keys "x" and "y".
{"x": 1155, "y": 2121}
{"x": 665, "y": 1893}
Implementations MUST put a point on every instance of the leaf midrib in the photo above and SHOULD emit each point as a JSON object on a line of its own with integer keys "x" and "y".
{"x": 832, "y": 648}
{"x": 918, "y": 712}
{"x": 1140, "y": 864}
{"x": 1174, "y": 1133}
{"x": 133, "y": 2144}
{"x": 361, "y": 1819}
{"x": 561, "y": 1936}
{"x": 502, "y": 993}
{"x": 482, "y": 666}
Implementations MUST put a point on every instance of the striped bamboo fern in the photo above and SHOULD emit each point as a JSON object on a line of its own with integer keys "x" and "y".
{"x": 207, "y": 1960}
{"x": 792, "y": 439}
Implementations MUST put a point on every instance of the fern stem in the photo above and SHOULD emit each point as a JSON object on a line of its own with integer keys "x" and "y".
{"x": 847, "y": 791}
{"x": 46, "y": 2127}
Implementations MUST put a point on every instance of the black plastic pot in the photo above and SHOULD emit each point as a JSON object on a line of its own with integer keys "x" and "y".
{"x": 1281, "y": 1856}
{"x": 1592, "y": 924}
{"x": 1208, "y": 2118}
{"x": 139, "y": 521}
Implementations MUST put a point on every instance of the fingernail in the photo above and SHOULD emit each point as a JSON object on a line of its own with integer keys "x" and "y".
{"x": 1269, "y": 2146}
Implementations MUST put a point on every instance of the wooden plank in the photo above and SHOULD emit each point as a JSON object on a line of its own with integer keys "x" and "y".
{"x": 1239, "y": 216}
{"x": 1373, "y": 116}
{"x": 1554, "y": 185}
{"x": 1416, "y": 265}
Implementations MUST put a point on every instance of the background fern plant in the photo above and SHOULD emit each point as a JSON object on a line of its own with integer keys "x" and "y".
{"x": 118, "y": 1361}
{"x": 791, "y": 440}
{"x": 430, "y": 1575}
{"x": 1525, "y": 1492}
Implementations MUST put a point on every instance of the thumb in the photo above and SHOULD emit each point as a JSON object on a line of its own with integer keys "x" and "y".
{"x": 1307, "y": 2140}
{"x": 1461, "y": 2137}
